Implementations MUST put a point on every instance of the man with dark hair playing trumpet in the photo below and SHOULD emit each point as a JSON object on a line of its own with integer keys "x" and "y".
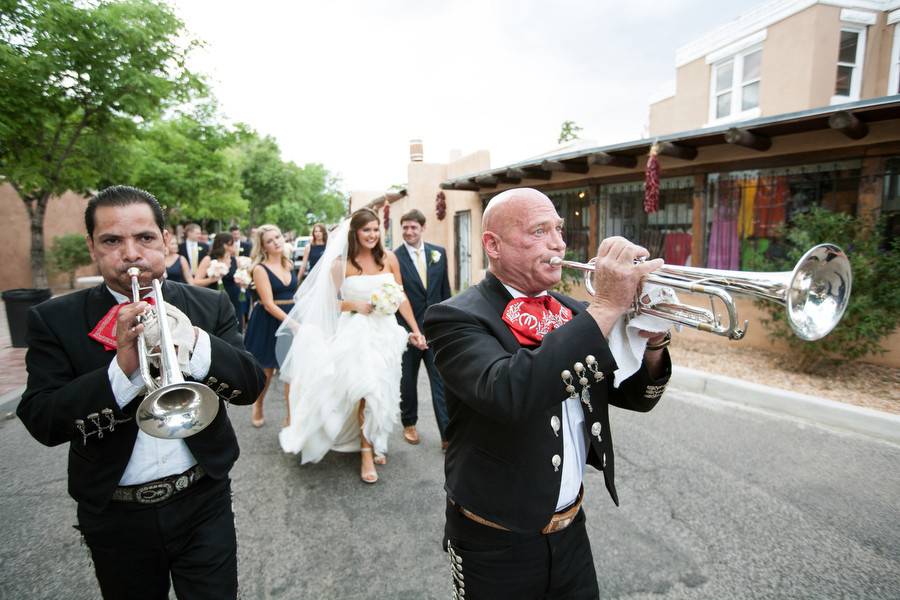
{"x": 149, "y": 507}
{"x": 529, "y": 380}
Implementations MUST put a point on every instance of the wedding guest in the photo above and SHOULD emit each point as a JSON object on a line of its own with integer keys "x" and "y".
{"x": 246, "y": 246}
{"x": 192, "y": 248}
{"x": 275, "y": 283}
{"x": 177, "y": 268}
{"x": 313, "y": 251}
{"x": 344, "y": 361}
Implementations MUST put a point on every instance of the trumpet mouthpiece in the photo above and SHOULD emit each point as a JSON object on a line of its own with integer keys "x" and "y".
{"x": 555, "y": 261}
{"x": 133, "y": 272}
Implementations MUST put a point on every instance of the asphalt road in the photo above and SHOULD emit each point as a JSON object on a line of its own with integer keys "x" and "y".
{"x": 717, "y": 502}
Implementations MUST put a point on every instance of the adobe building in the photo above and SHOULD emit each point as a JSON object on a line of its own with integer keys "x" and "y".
{"x": 789, "y": 107}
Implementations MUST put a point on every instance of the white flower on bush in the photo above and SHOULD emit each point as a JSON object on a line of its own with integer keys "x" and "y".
{"x": 217, "y": 269}
{"x": 435, "y": 256}
{"x": 242, "y": 278}
{"x": 387, "y": 299}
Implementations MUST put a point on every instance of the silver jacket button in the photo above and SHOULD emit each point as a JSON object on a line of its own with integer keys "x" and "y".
{"x": 556, "y": 460}
{"x": 554, "y": 424}
{"x": 596, "y": 429}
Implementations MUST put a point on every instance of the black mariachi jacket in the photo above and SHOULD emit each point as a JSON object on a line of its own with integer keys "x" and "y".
{"x": 68, "y": 380}
{"x": 505, "y": 405}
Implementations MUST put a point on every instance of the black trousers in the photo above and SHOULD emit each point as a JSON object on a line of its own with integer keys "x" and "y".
{"x": 409, "y": 395}
{"x": 135, "y": 548}
{"x": 491, "y": 564}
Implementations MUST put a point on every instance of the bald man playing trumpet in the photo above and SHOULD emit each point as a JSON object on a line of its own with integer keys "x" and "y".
{"x": 528, "y": 376}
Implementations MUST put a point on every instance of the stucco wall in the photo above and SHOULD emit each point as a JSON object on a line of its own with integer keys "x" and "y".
{"x": 64, "y": 215}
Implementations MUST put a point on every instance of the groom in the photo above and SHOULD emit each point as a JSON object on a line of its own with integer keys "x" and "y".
{"x": 423, "y": 268}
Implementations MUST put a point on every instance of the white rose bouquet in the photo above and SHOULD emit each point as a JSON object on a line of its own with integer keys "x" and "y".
{"x": 243, "y": 262}
{"x": 387, "y": 299}
{"x": 242, "y": 278}
{"x": 217, "y": 269}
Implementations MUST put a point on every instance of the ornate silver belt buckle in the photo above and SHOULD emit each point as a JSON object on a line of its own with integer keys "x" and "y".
{"x": 182, "y": 482}
{"x": 154, "y": 492}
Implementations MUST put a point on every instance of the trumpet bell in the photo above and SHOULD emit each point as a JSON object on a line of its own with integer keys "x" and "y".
{"x": 819, "y": 292}
{"x": 178, "y": 410}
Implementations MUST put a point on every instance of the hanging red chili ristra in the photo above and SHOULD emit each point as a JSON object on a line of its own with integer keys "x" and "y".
{"x": 440, "y": 206}
{"x": 651, "y": 182}
{"x": 386, "y": 215}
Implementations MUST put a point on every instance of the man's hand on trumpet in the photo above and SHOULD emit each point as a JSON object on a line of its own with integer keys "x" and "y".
{"x": 617, "y": 279}
{"x": 128, "y": 328}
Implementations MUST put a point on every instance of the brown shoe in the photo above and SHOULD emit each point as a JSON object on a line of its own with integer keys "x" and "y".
{"x": 411, "y": 435}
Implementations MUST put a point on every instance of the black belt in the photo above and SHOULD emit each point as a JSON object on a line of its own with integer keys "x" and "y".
{"x": 158, "y": 490}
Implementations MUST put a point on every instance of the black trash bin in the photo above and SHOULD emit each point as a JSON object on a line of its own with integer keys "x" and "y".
{"x": 17, "y": 303}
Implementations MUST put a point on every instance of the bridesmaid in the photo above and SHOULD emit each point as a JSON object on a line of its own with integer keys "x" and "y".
{"x": 177, "y": 268}
{"x": 224, "y": 250}
{"x": 313, "y": 252}
{"x": 275, "y": 283}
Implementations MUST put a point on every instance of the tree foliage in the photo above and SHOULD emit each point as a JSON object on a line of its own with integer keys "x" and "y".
{"x": 68, "y": 253}
{"x": 874, "y": 309}
{"x": 568, "y": 131}
{"x": 187, "y": 163}
{"x": 78, "y": 78}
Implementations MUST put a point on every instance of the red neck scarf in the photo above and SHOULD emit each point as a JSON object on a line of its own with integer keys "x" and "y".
{"x": 530, "y": 319}
{"x": 105, "y": 329}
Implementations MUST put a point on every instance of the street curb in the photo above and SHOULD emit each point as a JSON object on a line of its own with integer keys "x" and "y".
{"x": 870, "y": 422}
{"x": 10, "y": 400}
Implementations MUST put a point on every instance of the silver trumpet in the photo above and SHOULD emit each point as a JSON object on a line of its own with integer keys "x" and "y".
{"x": 173, "y": 408}
{"x": 815, "y": 294}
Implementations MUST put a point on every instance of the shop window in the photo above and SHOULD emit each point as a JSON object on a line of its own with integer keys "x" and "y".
{"x": 747, "y": 211}
{"x": 890, "y": 201}
{"x": 665, "y": 233}
{"x": 573, "y": 206}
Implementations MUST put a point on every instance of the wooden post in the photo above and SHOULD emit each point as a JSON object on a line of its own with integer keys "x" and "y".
{"x": 698, "y": 226}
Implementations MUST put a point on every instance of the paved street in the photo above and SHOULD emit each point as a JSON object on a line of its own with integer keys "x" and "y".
{"x": 717, "y": 502}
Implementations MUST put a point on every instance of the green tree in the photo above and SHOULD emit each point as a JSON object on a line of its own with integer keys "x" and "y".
{"x": 77, "y": 78}
{"x": 568, "y": 131}
{"x": 264, "y": 178}
{"x": 874, "y": 309}
{"x": 314, "y": 197}
{"x": 186, "y": 162}
{"x": 67, "y": 254}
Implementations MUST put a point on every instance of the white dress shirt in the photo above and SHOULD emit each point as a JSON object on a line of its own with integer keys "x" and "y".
{"x": 574, "y": 445}
{"x": 153, "y": 458}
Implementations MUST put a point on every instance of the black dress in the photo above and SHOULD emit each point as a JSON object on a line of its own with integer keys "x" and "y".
{"x": 175, "y": 273}
{"x": 315, "y": 253}
{"x": 260, "y": 337}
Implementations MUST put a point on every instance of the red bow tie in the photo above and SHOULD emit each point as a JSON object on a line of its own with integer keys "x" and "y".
{"x": 530, "y": 319}
{"x": 105, "y": 329}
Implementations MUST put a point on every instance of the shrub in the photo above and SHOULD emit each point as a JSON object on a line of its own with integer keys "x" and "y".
{"x": 874, "y": 308}
{"x": 67, "y": 254}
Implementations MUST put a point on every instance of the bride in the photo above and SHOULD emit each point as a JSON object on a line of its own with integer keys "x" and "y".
{"x": 342, "y": 352}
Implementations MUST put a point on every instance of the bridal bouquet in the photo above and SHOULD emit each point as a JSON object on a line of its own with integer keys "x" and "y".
{"x": 387, "y": 299}
{"x": 243, "y": 262}
{"x": 217, "y": 268}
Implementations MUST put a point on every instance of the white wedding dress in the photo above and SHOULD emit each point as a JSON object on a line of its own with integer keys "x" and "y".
{"x": 329, "y": 376}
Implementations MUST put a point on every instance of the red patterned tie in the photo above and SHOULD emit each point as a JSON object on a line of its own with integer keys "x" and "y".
{"x": 105, "y": 329}
{"x": 530, "y": 319}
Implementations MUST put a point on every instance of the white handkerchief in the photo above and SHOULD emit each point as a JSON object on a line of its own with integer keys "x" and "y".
{"x": 625, "y": 342}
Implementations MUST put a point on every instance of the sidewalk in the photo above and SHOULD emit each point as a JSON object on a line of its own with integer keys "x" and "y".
{"x": 870, "y": 422}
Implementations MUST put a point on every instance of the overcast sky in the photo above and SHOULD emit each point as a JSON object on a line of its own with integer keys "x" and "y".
{"x": 348, "y": 83}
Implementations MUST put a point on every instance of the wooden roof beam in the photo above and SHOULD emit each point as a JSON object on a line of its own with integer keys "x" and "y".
{"x": 460, "y": 186}
{"x": 848, "y": 124}
{"x": 565, "y": 167}
{"x": 486, "y": 180}
{"x": 623, "y": 161}
{"x": 677, "y": 150}
{"x": 529, "y": 173}
{"x": 748, "y": 139}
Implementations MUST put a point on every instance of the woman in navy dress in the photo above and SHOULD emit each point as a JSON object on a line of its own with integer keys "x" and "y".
{"x": 275, "y": 283}
{"x": 225, "y": 251}
{"x": 177, "y": 267}
{"x": 313, "y": 252}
